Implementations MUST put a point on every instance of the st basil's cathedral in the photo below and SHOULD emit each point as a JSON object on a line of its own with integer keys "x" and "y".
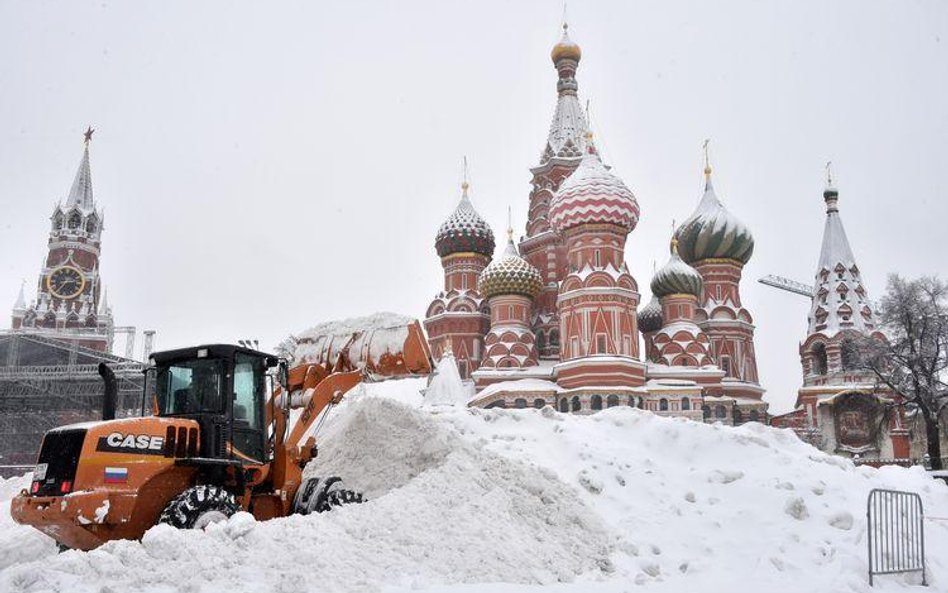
{"x": 556, "y": 319}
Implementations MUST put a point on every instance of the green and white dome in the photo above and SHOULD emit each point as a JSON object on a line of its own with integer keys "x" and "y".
{"x": 712, "y": 232}
{"x": 676, "y": 277}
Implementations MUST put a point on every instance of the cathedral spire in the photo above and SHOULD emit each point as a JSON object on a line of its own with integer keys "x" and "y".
{"x": 707, "y": 165}
{"x": 569, "y": 121}
{"x": 20, "y": 304}
{"x": 80, "y": 195}
{"x": 840, "y": 300}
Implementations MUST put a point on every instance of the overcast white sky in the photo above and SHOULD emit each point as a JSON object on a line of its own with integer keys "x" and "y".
{"x": 265, "y": 166}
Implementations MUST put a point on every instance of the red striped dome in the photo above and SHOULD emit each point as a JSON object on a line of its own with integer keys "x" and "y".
{"x": 593, "y": 195}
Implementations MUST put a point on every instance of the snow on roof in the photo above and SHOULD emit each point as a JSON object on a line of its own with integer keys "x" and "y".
{"x": 80, "y": 194}
{"x": 518, "y": 385}
{"x": 446, "y": 387}
{"x": 840, "y": 299}
{"x": 565, "y": 139}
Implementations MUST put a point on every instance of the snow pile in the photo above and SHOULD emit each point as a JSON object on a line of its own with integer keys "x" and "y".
{"x": 715, "y": 508}
{"x": 505, "y": 500}
{"x": 17, "y": 543}
{"x": 368, "y": 337}
{"x": 446, "y": 387}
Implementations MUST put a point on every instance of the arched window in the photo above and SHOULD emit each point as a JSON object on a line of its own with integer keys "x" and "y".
{"x": 849, "y": 352}
{"x": 554, "y": 337}
{"x": 754, "y": 416}
{"x": 641, "y": 403}
{"x": 726, "y": 365}
{"x": 612, "y": 401}
{"x": 663, "y": 405}
{"x": 685, "y": 403}
{"x": 539, "y": 403}
{"x": 818, "y": 365}
{"x": 596, "y": 402}
{"x": 75, "y": 220}
{"x": 720, "y": 411}
{"x": 706, "y": 411}
{"x": 58, "y": 221}
{"x": 520, "y": 403}
{"x": 576, "y": 406}
{"x": 738, "y": 417}
{"x": 564, "y": 405}
{"x": 541, "y": 339}
{"x": 496, "y": 404}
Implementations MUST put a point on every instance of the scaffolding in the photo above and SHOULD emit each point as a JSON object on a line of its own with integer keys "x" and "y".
{"x": 45, "y": 382}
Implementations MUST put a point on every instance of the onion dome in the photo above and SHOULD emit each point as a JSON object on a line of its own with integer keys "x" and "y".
{"x": 593, "y": 195}
{"x": 712, "y": 232}
{"x": 510, "y": 274}
{"x": 676, "y": 277}
{"x": 566, "y": 49}
{"x": 650, "y": 316}
{"x": 465, "y": 231}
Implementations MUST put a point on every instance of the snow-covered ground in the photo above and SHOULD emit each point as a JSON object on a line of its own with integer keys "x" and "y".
{"x": 522, "y": 500}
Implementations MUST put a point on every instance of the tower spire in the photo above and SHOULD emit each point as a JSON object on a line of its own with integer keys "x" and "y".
{"x": 464, "y": 183}
{"x": 707, "y": 162}
{"x": 20, "y": 299}
{"x": 80, "y": 194}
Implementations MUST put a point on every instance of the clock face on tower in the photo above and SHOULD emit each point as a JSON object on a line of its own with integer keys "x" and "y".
{"x": 66, "y": 282}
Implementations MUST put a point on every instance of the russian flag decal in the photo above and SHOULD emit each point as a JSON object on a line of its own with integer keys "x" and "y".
{"x": 116, "y": 475}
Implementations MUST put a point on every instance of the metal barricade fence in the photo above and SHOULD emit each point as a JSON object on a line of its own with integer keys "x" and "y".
{"x": 896, "y": 534}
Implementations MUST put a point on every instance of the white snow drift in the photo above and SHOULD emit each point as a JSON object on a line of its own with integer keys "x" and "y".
{"x": 513, "y": 500}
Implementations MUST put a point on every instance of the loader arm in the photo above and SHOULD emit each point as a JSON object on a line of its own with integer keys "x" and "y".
{"x": 337, "y": 362}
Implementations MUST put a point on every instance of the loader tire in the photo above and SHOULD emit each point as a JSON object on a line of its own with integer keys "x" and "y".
{"x": 318, "y": 496}
{"x": 198, "y": 507}
{"x": 332, "y": 495}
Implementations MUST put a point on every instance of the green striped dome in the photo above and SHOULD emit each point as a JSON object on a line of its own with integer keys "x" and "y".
{"x": 714, "y": 233}
{"x": 676, "y": 277}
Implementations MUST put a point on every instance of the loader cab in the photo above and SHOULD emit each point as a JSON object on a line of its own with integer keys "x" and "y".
{"x": 224, "y": 388}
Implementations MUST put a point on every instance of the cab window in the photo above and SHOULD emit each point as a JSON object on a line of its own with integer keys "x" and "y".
{"x": 248, "y": 385}
{"x": 189, "y": 387}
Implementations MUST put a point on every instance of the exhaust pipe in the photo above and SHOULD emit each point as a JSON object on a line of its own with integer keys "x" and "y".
{"x": 111, "y": 392}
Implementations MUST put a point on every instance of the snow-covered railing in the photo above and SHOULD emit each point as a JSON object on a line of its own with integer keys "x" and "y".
{"x": 896, "y": 535}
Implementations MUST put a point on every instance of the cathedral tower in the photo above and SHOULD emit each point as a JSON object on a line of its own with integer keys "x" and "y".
{"x": 594, "y": 212}
{"x": 542, "y": 247}
{"x": 457, "y": 319}
{"x": 510, "y": 284}
{"x": 70, "y": 298}
{"x": 839, "y": 310}
{"x": 679, "y": 342}
{"x": 718, "y": 246}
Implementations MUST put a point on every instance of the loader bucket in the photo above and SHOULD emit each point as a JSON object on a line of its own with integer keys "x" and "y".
{"x": 383, "y": 345}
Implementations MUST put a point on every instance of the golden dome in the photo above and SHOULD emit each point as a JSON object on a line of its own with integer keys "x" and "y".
{"x": 565, "y": 49}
